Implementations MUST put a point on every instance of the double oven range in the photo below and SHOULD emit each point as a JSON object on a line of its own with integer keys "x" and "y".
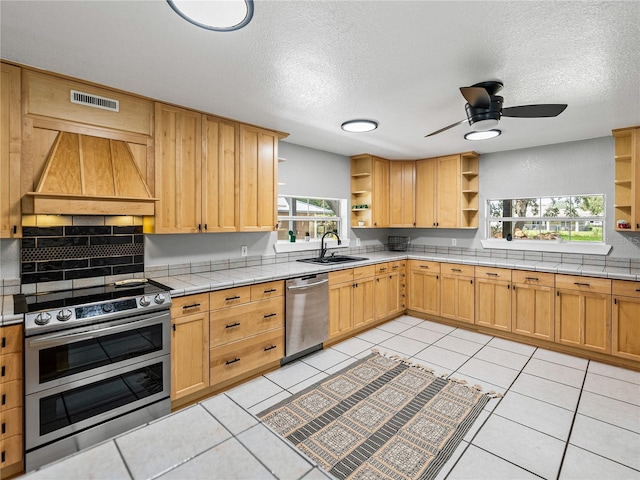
{"x": 97, "y": 363}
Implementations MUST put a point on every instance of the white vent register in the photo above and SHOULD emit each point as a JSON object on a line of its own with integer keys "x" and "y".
{"x": 96, "y": 101}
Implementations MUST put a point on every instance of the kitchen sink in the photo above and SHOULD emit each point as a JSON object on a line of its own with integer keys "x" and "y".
{"x": 333, "y": 259}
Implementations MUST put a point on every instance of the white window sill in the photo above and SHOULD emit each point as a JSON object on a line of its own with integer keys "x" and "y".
{"x": 547, "y": 246}
{"x": 301, "y": 245}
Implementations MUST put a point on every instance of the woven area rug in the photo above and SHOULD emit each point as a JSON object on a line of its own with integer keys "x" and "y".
{"x": 379, "y": 418}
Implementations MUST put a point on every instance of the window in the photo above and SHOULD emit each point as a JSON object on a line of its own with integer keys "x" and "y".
{"x": 302, "y": 215}
{"x": 578, "y": 218}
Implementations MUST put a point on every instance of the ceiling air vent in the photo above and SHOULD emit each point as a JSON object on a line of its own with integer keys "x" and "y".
{"x": 95, "y": 101}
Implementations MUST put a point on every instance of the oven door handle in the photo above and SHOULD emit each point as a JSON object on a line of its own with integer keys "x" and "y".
{"x": 64, "y": 338}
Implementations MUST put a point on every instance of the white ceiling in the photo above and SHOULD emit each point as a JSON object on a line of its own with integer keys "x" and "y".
{"x": 304, "y": 67}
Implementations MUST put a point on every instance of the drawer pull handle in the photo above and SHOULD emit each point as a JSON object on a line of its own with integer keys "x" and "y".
{"x": 269, "y": 348}
{"x": 456, "y": 270}
{"x": 193, "y": 305}
{"x": 4, "y": 428}
{"x": 383, "y": 269}
{"x": 582, "y": 284}
{"x": 4, "y": 399}
{"x": 3, "y": 371}
{"x": 229, "y": 362}
{"x": 424, "y": 266}
{"x": 269, "y": 315}
{"x": 637, "y": 289}
{"x": 2, "y": 457}
{"x": 4, "y": 342}
{"x": 232, "y": 325}
{"x": 394, "y": 267}
{"x": 236, "y": 297}
{"x": 271, "y": 290}
{"x": 533, "y": 279}
{"x": 493, "y": 274}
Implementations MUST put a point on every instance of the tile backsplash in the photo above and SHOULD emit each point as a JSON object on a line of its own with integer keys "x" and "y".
{"x": 70, "y": 252}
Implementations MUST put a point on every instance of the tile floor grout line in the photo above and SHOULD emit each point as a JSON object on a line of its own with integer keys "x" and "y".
{"x": 573, "y": 422}
{"x": 126, "y": 465}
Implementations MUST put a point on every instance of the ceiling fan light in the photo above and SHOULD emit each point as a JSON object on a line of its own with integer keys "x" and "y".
{"x": 486, "y": 124}
{"x": 482, "y": 135}
{"x": 359, "y": 126}
{"x": 217, "y": 15}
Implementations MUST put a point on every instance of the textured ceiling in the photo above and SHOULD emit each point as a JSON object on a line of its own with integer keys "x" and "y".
{"x": 304, "y": 67}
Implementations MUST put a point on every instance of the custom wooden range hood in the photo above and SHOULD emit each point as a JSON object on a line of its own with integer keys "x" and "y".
{"x": 87, "y": 175}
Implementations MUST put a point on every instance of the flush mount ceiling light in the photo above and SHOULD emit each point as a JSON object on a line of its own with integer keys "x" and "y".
{"x": 217, "y": 15}
{"x": 359, "y": 126}
{"x": 483, "y": 135}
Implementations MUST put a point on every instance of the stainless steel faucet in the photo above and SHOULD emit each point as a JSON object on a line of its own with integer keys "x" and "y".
{"x": 323, "y": 249}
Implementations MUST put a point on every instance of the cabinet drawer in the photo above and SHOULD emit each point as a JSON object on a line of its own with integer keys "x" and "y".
{"x": 11, "y": 449}
{"x": 10, "y": 422}
{"x": 237, "y": 358}
{"x": 341, "y": 276}
{"x": 382, "y": 268}
{"x": 424, "y": 265}
{"x": 230, "y": 297}
{"x": 11, "y": 394}
{"x": 10, "y": 367}
{"x": 492, "y": 273}
{"x": 11, "y": 339}
{"x": 263, "y": 291}
{"x": 457, "y": 270}
{"x": 189, "y": 304}
{"x": 533, "y": 278}
{"x": 583, "y": 284}
{"x": 397, "y": 265}
{"x": 626, "y": 288}
{"x": 244, "y": 321}
{"x": 364, "y": 272}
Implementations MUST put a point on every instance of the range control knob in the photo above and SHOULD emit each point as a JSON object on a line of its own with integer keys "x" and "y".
{"x": 107, "y": 307}
{"x": 42, "y": 318}
{"x": 145, "y": 301}
{"x": 64, "y": 315}
{"x": 159, "y": 298}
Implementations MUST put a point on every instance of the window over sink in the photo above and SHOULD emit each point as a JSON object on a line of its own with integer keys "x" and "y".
{"x": 310, "y": 215}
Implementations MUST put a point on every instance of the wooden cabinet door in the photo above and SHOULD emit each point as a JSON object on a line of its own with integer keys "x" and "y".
{"x": 189, "y": 354}
{"x": 626, "y": 328}
{"x": 425, "y": 195}
{"x": 424, "y": 292}
{"x": 340, "y": 309}
{"x": 363, "y": 302}
{"x": 10, "y": 149}
{"x": 583, "y": 320}
{"x": 220, "y": 154}
{"x": 457, "y": 298}
{"x": 448, "y": 192}
{"x": 258, "y": 187}
{"x": 381, "y": 296}
{"x": 380, "y": 195}
{"x": 532, "y": 311}
{"x": 493, "y": 304}
{"x": 401, "y": 192}
{"x": 179, "y": 173}
{"x": 393, "y": 293}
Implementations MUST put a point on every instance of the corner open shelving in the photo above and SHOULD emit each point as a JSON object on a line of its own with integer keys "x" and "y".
{"x": 627, "y": 178}
{"x": 361, "y": 190}
{"x": 469, "y": 189}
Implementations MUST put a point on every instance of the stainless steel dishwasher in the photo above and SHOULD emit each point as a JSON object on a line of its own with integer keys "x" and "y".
{"x": 307, "y": 315}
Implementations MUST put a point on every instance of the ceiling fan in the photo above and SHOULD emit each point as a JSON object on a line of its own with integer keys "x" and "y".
{"x": 484, "y": 108}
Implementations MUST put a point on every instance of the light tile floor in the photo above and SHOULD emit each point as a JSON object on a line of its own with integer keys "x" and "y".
{"x": 561, "y": 417}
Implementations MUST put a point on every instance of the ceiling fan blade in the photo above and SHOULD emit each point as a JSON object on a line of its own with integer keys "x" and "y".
{"x": 446, "y": 128}
{"x": 534, "y": 111}
{"x": 477, "y": 97}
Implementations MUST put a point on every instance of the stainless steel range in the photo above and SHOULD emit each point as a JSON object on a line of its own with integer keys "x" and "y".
{"x": 97, "y": 363}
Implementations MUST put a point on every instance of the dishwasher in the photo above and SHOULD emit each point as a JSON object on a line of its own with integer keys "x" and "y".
{"x": 307, "y": 315}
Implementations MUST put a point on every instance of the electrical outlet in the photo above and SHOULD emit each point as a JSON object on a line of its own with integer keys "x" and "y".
{"x": 243, "y": 250}
{"x": 357, "y": 242}
{"x": 453, "y": 242}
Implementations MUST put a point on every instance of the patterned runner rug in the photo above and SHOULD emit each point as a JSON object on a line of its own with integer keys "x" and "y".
{"x": 379, "y": 418}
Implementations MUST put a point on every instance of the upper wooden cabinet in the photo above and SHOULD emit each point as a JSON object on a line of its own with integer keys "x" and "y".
{"x": 258, "y": 171}
{"x": 179, "y": 172}
{"x": 10, "y": 149}
{"x": 369, "y": 191}
{"x": 627, "y": 178}
{"x": 447, "y": 191}
{"x": 402, "y": 175}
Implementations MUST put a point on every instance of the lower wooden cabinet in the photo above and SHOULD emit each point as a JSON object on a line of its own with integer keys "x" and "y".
{"x": 424, "y": 287}
{"x": 457, "y": 293}
{"x": 11, "y": 400}
{"x": 493, "y": 298}
{"x": 388, "y": 290}
{"x": 625, "y": 338}
{"x": 533, "y": 304}
{"x": 583, "y": 312}
{"x": 363, "y": 294}
{"x": 351, "y": 300}
{"x": 189, "y": 345}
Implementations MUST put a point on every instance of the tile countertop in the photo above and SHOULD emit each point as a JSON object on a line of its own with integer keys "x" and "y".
{"x": 208, "y": 281}
{"x": 189, "y": 284}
